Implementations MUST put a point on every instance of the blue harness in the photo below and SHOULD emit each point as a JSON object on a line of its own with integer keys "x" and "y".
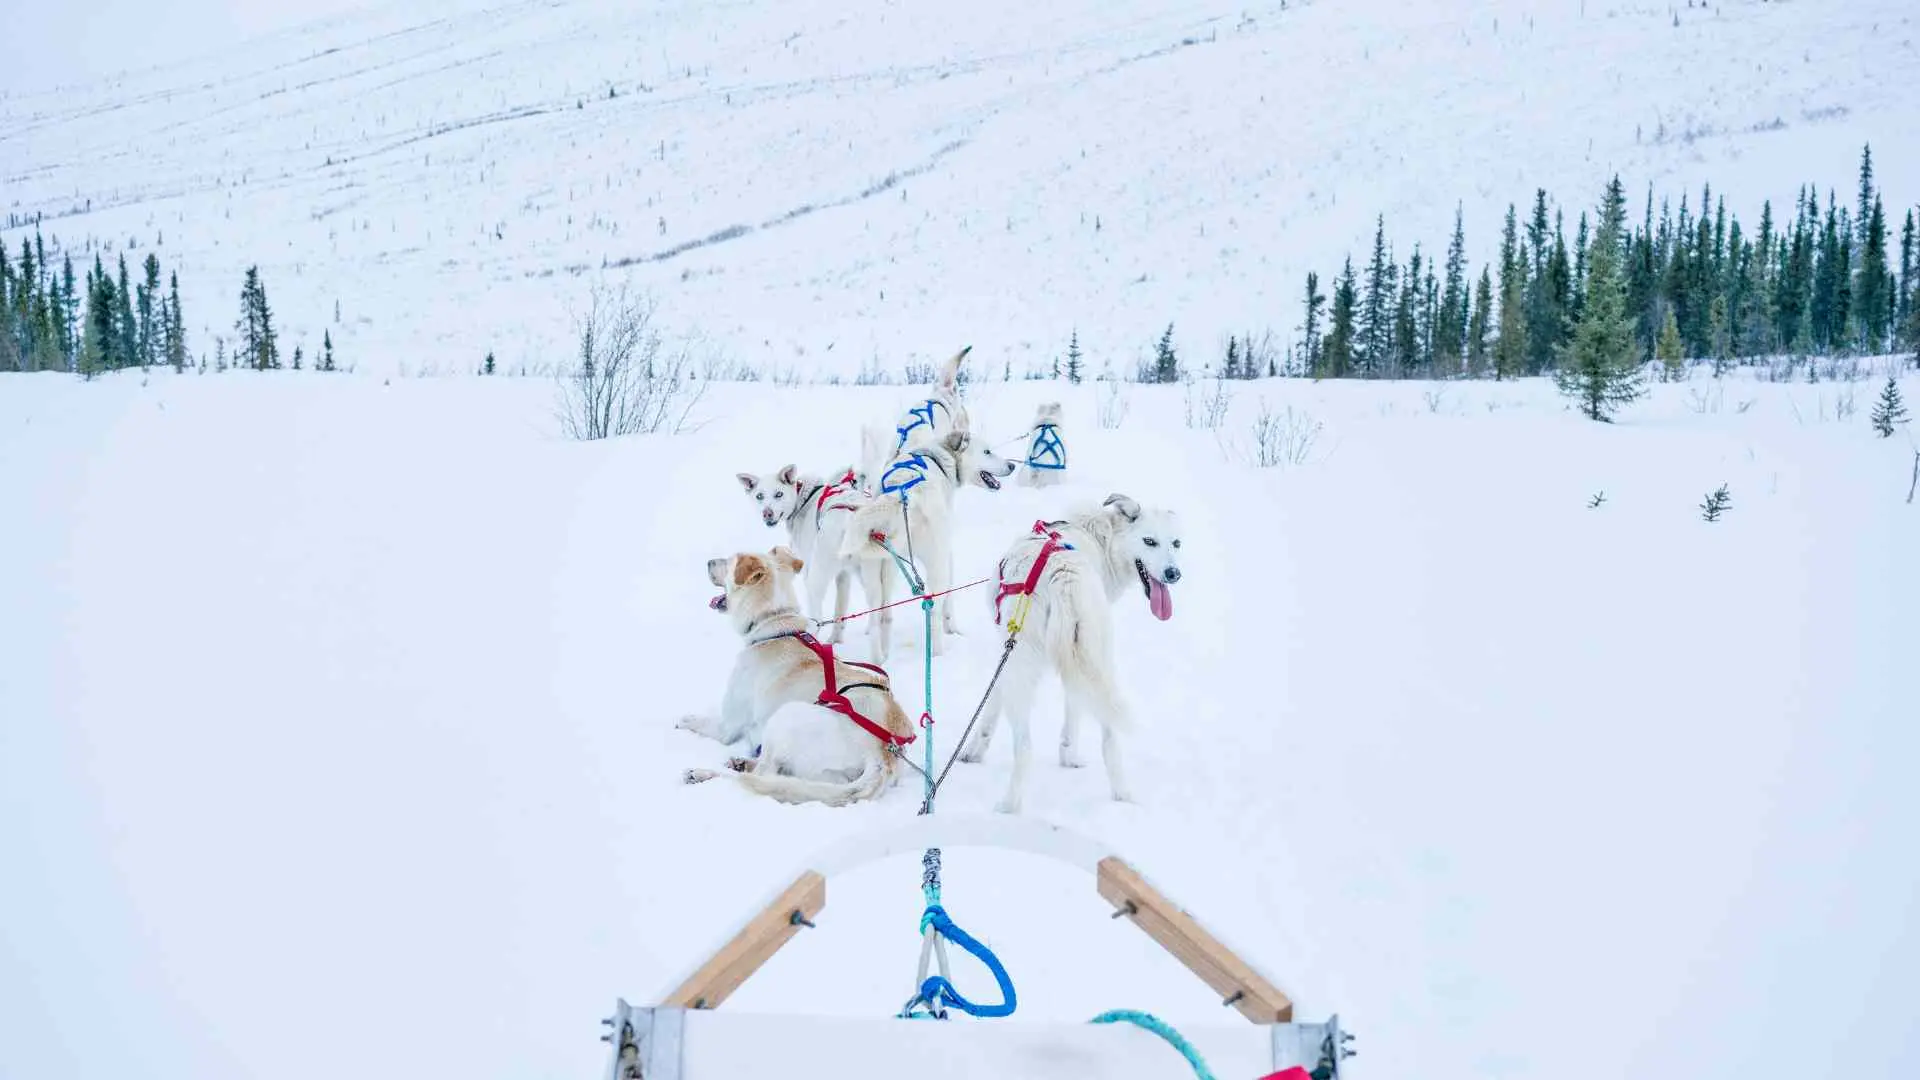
{"x": 1047, "y": 451}
{"x": 913, "y": 467}
{"x": 922, "y": 418}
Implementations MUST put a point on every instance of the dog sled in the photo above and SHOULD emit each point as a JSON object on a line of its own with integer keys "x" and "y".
{"x": 683, "y": 1036}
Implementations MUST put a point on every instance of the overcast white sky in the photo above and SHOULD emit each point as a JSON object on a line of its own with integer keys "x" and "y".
{"x": 52, "y": 42}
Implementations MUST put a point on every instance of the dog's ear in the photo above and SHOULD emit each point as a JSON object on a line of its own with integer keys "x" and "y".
{"x": 1124, "y": 506}
{"x": 785, "y": 475}
{"x": 717, "y": 572}
{"x": 748, "y": 481}
{"x": 957, "y": 441}
{"x": 783, "y": 556}
{"x": 749, "y": 570}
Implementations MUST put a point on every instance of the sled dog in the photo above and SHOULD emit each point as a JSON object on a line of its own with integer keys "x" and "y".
{"x": 1091, "y": 560}
{"x": 815, "y": 512}
{"x": 1046, "y": 449}
{"x": 784, "y": 691}
{"x": 923, "y": 481}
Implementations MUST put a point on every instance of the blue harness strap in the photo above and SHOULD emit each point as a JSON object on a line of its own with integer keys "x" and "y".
{"x": 1046, "y": 451}
{"x": 914, "y": 466}
{"x": 922, "y": 418}
{"x": 937, "y": 991}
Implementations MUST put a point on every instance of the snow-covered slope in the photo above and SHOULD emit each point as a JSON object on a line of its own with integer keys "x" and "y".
{"x": 336, "y": 730}
{"x": 816, "y": 184}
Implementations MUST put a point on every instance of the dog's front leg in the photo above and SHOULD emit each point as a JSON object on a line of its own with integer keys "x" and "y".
{"x": 701, "y": 724}
{"x": 842, "y": 580}
{"x": 1110, "y": 748}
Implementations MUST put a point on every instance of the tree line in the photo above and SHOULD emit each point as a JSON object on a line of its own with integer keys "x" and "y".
{"x": 53, "y": 320}
{"x": 1818, "y": 280}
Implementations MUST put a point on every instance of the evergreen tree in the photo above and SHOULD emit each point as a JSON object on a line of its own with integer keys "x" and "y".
{"x": 128, "y": 353}
{"x": 1376, "y": 312}
{"x": 1720, "y": 336}
{"x": 1336, "y": 352}
{"x": 1406, "y": 328}
{"x": 1450, "y": 321}
{"x": 1510, "y": 344}
{"x": 174, "y": 327}
{"x": 1865, "y": 205}
{"x": 1889, "y": 411}
{"x": 259, "y": 348}
{"x": 296, "y": 358}
{"x": 1166, "y": 362}
{"x": 1601, "y": 366}
{"x": 1230, "y": 367}
{"x": 102, "y": 338}
{"x": 1310, "y": 327}
{"x": 326, "y": 351}
{"x": 1478, "y": 323}
{"x": 1909, "y": 266}
{"x": 1580, "y": 271}
{"x": 147, "y": 337}
{"x": 69, "y": 314}
{"x": 1871, "y": 291}
{"x": 487, "y": 367}
{"x": 1669, "y": 351}
{"x": 1073, "y": 357}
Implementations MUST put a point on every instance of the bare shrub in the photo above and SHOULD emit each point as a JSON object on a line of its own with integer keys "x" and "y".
{"x": 1111, "y": 405}
{"x": 1435, "y": 398}
{"x": 627, "y": 379}
{"x": 918, "y": 372}
{"x": 1282, "y": 438}
{"x": 1209, "y": 409}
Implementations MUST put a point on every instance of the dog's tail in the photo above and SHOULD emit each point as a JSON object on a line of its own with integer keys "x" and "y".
{"x": 882, "y": 516}
{"x": 1076, "y": 629}
{"x": 790, "y": 789}
{"x": 950, "y": 371}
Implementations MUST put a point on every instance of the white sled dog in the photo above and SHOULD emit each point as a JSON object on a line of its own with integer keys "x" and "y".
{"x": 928, "y": 476}
{"x": 1074, "y": 570}
{"x": 815, "y": 512}
{"x": 940, "y": 413}
{"x": 822, "y": 725}
{"x": 1046, "y": 449}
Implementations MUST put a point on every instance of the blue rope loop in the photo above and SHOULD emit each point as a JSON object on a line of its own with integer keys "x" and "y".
{"x": 937, "y": 992}
{"x": 914, "y": 465}
{"x": 1046, "y": 451}
{"x": 1163, "y": 1029}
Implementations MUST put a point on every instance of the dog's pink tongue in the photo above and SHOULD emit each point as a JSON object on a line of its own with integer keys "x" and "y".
{"x": 1159, "y": 599}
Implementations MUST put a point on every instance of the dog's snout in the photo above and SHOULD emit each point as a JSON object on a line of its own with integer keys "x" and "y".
{"x": 1172, "y": 575}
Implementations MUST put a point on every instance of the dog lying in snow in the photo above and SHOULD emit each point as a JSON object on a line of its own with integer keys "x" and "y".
{"x": 815, "y": 513}
{"x": 929, "y": 476}
{"x": 1046, "y": 450}
{"x": 807, "y": 751}
{"x": 1067, "y": 627}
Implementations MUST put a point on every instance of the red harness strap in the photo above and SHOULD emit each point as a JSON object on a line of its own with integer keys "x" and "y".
{"x": 1026, "y": 587}
{"x": 838, "y": 487}
{"x": 834, "y": 699}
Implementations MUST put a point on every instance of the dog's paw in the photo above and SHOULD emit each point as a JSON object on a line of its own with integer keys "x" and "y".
{"x": 1007, "y": 806}
{"x": 739, "y": 764}
{"x": 690, "y": 722}
{"x": 697, "y": 776}
{"x": 1068, "y": 760}
{"x": 974, "y": 752}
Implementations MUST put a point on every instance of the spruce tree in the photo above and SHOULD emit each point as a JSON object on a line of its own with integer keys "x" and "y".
{"x": 1406, "y": 328}
{"x": 1720, "y": 337}
{"x": 1376, "y": 311}
{"x": 1669, "y": 351}
{"x": 1478, "y": 323}
{"x": 1073, "y": 357}
{"x": 1865, "y": 205}
{"x": 1909, "y": 266}
{"x": 486, "y": 368}
{"x": 326, "y": 350}
{"x": 69, "y": 314}
{"x": 174, "y": 328}
{"x": 1871, "y": 283}
{"x": 1336, "y": 352}
{"x": 1166, "y": 362}
{"x": 129, "y": 350}
{"x": 1601, "y": 366}
{"x": 1310, "y": 326}
{"x": 1510, "y": 343}
{"x": 101, "y": 338}
{"x": 148, "y": 333}
{"x": 1889, "y": 411}
{"x": 1450, "y": 320}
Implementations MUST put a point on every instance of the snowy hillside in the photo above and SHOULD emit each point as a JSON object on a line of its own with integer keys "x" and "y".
{"x": 814, "y": 186}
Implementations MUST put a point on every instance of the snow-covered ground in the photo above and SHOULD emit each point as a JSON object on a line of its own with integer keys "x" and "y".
{"x": 336, "y": 729}
{"x": 819, "y": 185}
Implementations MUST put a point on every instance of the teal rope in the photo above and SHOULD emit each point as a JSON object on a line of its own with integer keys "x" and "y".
{"x": 1164, "y": 1030}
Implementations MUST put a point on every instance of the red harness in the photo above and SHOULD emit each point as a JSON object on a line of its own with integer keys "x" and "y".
{"x": 1026, "y": 587}
{"x": 834, "y": 697}
{"x": 838, "y": 487}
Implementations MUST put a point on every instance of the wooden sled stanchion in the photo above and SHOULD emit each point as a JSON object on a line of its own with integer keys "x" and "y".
{"x": 650, "y": 1043}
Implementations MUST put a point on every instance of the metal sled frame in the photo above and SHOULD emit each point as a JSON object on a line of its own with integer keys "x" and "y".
{"x": 649, "y": 1042}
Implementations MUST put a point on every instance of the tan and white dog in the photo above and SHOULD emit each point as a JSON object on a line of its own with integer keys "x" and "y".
{"x": 807, "y": 752}
{"x": 1046, "y": 460}
{"x": 929, "y": 476}
{"x": 1068, "y": 627}
{"x": 815, "y": 512}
